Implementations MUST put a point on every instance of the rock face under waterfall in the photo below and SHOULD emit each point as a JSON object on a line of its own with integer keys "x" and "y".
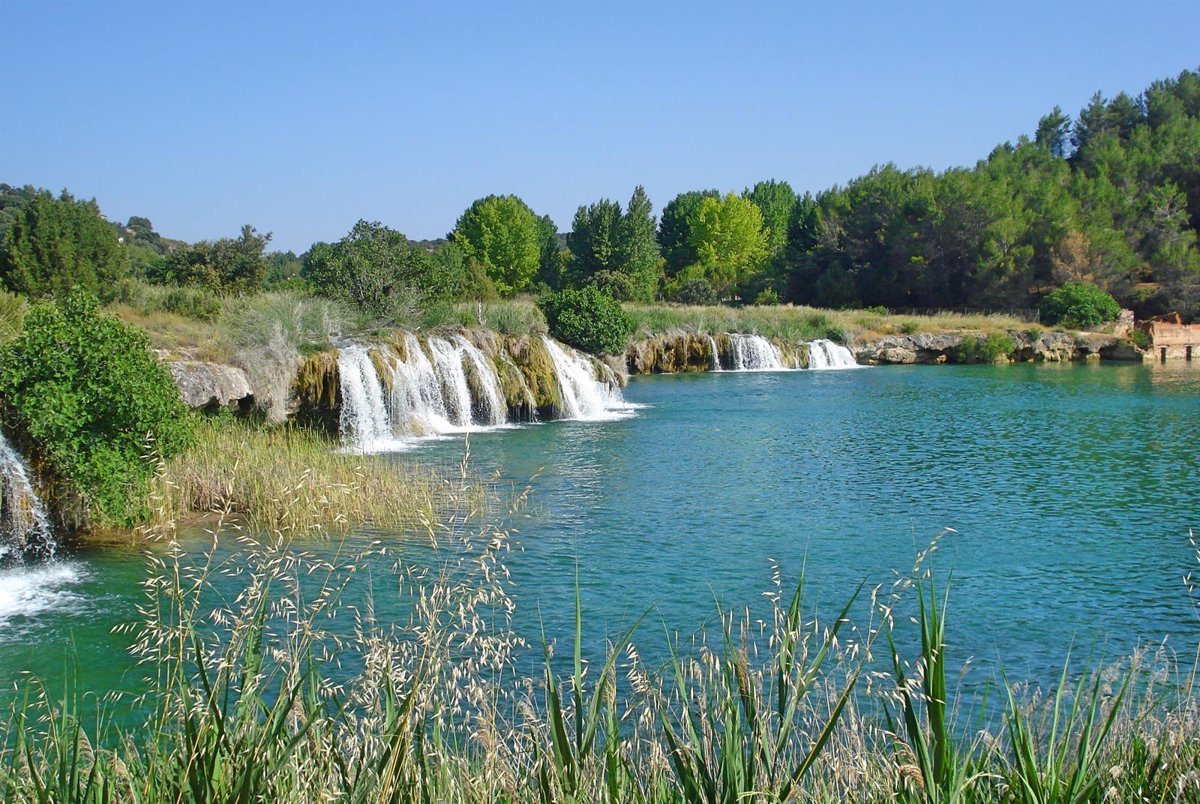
{"x": 383, "y": 392}
{"x": 678, "y": 351}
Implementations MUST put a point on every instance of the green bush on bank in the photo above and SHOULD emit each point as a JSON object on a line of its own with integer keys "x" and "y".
{"x": 96, "y": 402}
{"x": 587, "y": 319}
{"x": 1079, "y": 305}
{"x": 989, "y": 349}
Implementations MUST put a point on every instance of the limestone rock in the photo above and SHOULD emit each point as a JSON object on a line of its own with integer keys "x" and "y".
{"x": 211, "y": 385}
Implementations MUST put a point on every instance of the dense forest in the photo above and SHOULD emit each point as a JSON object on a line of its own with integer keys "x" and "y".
{"x": 1110, "y": 197}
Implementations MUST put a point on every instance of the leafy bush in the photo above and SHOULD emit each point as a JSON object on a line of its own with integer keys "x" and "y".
{"x": 766, "y": 296}
{"x": 587, "y": 319}
{"x": 982, "y": 350}
{"x": 1140, "y": 338}
{"x": 693, "y": 291}
{"x": 617, "y": 284}
{"x": 95, "y": 400}
{"x": 1079, "y": 305}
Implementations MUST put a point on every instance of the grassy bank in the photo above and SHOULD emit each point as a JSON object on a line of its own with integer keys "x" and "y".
{"x": 786, "y": 709}
{"x": 807, "y": 323}
{"x": 295, "y": 481}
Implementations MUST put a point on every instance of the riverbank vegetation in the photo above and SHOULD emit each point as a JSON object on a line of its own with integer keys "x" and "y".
{"x": 287, "y": 692}
{"x": 292, "y": 480}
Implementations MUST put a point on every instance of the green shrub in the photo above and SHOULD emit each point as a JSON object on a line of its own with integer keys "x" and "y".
{"x": 196, "y": 303}
{"x": 1140, "y": 338}
{"x": 766, "y": 296}
{"x": 982, "y": 350}
{"x": 617, "y": 284}
{"x": 693, "y": 291}
{"x": 587, "y": 319}
{"x": 95, "y": 400}
{"x": 878, "y": 309}
{"x": 1079, "y": 305}
{"x": 12, "y": 314}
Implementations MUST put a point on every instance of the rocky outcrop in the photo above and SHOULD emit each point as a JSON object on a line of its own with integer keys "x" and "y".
{"x": 920, "y": 347}
{"x": 211, "y": 386}
{"x": 1028, "y": 346}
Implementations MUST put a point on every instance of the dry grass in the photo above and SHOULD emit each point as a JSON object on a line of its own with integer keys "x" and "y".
{"x": 295, "y": 481}
{"x": 175, "y": 336}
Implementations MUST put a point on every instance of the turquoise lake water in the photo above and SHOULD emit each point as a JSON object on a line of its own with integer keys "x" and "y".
{"x": 1071, "y": 490}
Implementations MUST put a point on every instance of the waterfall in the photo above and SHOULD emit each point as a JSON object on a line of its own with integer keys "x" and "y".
{"x": 825, "y": 355}
{"x": 584, "y": 396}
{"x": 365, "y": 423}
{"x": 716, "y": 355}
{"x": 24, "y": 526}
{"x": 428, "y": 393}
{"x": 754, "y": 353}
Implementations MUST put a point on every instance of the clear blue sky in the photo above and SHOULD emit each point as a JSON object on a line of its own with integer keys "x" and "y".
{"x": 301, "y": 118}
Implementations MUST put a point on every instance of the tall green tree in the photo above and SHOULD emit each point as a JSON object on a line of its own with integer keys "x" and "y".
{"x": 594, "y": 240}
{"x": 637, "y": 246}
{"x": 53, "y": 245}
{"x": 775, "y": 200}
{"x": 500, "y": 232}
{"x": 729, "y": 241}
{"x": 674, "y": 235}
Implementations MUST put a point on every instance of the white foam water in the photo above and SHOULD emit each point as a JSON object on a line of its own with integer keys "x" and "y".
{"x": 584, "y": 397}
{"x": 447, "y": 385}
{"x": 32, "y": 589}
{"x": 24, "y": 524}
{"x": 825, "y": 355}
{"x": 754, "y": 353}
{"x": 716, "y": 354}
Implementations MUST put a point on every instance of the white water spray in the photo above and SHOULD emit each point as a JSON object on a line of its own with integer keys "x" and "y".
{"x": 825, "y": 355}
{"x": 716, "y": 354}
{"x": 24, "y": 525}
{"x": 583, "y": 396}
{"x": 754, "y": 353}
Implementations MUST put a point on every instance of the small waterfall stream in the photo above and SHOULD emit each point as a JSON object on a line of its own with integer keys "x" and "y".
{"x": 825, "y": 355}
{"x": 32, "y": 580}
{"x": 716, "y": 353}
{"x": 754, "y": 353}
{"x": 434, "y": 386}
{"x": 24, "y": 525}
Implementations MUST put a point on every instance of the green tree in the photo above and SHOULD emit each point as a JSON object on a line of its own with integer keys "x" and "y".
{"x": 501, "y": 233}
{"x": 227, "y": 266}
{"x": 97, "y": 403}
{"x": 1054, "y": 133}
{"x": 637, "y": 247}
{"x": 775, "y": 200}
{"x": 552, "y": 262}
{"x": 594, "y": 240}
{"x": 674, "y": 235}
{"x": 376, "y": 267}
{"x": 729, "y": 241}
{"x": 53, "y": 245}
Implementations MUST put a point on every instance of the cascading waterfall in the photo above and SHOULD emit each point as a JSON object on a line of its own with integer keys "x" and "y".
{"x": 825, "y": 355}
{"x": 24, "y": 525}
{"x": 584, "y": 396}
{"x": 365, "y": 423}
{"x": 754, "y": 353}
{"x": 716, "y": 354}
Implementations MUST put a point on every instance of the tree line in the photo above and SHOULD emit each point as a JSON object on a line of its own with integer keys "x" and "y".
{"x": 1110, "y": 197}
